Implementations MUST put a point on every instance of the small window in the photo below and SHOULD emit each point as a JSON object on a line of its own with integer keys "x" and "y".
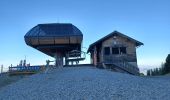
{"x": 107, "y": 50}
{"x": 122, "y": 50}
{"x": 115, "y": 50}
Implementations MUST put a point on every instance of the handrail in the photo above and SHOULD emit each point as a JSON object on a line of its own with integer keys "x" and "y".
{"x": 122, "y": 63}
{"x": 128, "y": 67}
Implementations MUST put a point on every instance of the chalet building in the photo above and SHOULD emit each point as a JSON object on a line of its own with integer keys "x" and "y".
{"x": 116, "y": 51}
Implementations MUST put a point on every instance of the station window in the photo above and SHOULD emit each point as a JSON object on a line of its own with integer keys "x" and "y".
{"x": 115, "y": 50}
{"x": 107, "y": 50}
{"x": 122, "y": 50}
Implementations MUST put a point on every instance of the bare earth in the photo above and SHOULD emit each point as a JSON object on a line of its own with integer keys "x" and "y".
{"x": 87, "y": 83}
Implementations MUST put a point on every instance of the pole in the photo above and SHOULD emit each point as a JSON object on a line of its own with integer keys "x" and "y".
{"x": 1, "y": 68}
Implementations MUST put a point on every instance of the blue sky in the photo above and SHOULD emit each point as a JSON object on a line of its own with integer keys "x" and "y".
{"x": 145, "y": 20}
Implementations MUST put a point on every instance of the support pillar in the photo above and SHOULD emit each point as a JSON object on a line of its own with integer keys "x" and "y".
{"x": 95, "y": 56}
{"x": 58, "y": 60}
{"x": 66, "y": 60}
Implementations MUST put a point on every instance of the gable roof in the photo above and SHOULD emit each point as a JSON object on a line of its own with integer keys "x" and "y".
{"x": 114, "y": 33}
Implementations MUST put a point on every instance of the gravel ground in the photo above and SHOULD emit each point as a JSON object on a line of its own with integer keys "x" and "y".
{"x": 87, "y": 83}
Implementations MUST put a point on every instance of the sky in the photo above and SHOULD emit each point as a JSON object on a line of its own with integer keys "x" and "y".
{"x": 145, "y": 20}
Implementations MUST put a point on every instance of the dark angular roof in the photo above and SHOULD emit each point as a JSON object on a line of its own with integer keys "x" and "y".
{"x": 113, "y": 34}
{"x": 53, "y": 29}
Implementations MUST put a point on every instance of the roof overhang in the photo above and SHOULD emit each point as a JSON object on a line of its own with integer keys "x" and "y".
{"x": 114, "y": 33}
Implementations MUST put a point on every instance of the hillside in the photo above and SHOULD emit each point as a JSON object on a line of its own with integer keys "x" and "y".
{"x": 5, "y": 79}
{"x": 89, "y": 83}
